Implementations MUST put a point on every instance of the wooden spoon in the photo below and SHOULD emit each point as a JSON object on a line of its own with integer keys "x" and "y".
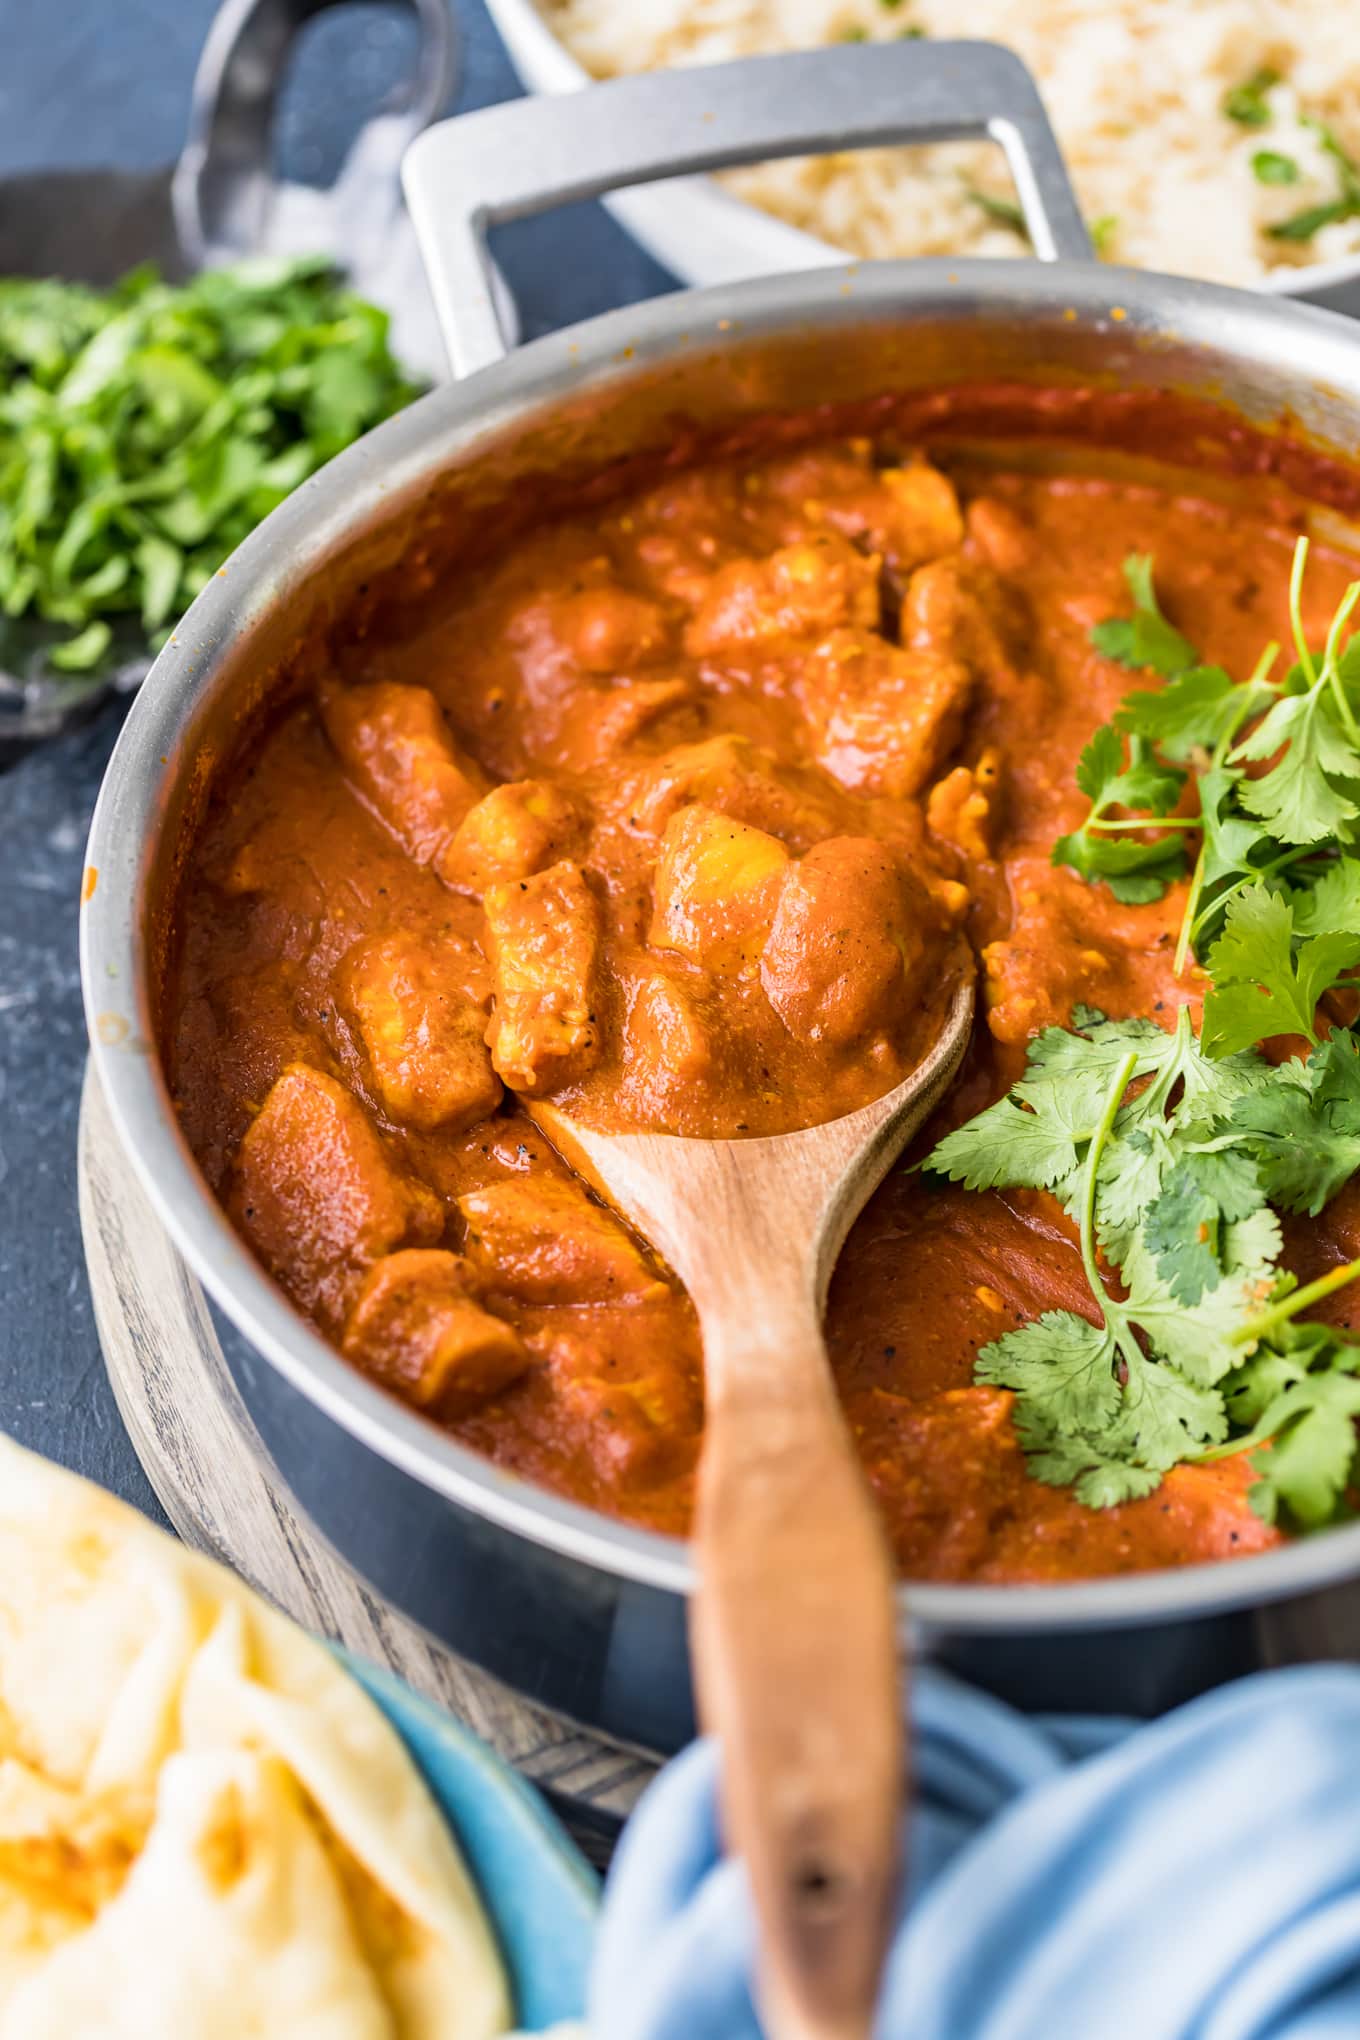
{"x": 794, "y": 1625}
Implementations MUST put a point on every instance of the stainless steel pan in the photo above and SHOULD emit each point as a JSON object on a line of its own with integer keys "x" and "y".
{"x": 583, "y": 1612}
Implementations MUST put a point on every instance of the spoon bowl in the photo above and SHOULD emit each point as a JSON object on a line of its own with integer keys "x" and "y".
{"x": 794, "y": 1627}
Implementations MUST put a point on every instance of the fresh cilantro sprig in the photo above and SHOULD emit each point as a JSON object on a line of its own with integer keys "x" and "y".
{"x": 1175, "y": 1153}
{"x": 1145, "y": 638}
{"x": 1300, "y": 1397}
{"x": 145, "y": 431}
{"x": 1267, "y": 981}
{"x": 1135, "y": 865}
{"x": 1302, "y": 1129}
{"x": 1270, "y": 771}
{"x": 1169, "y": 1199}
{"x": 1117, "y": 846}
{"x": 1170, "y": 1161}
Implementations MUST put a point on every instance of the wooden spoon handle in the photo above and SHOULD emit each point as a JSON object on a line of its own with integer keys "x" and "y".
{"x": 796, "y": 1655}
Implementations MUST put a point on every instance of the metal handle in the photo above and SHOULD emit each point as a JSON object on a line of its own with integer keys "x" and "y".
{"x": 224, "y": 182}
{"x": 469, "y": 174}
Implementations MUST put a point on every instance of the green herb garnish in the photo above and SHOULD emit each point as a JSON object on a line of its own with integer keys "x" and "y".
{"x": 1301, "y": 226}
{"x": 1145, "y": 638}
{"x": 1174, "y": 1153}
{"x": 1103, "y": 231}
{"x": 1278, "y": 807}
{"x": 1172, "y": 1183}
{"x": 145, "y": 431}
{"x": 1247, "y": 103}
{"x": 1270, "y": 167}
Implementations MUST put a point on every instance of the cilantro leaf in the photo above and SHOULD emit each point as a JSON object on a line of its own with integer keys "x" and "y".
{"x": 1305, "y": 1133}
{"x": 1309, "y": 794}
{"x": 1302, "y": 1395}
{"x": 1308, "y": 1466}
{"x": 1192, "y": 713}
{"x": 1197, "y": 1338}
{"x": 1304, "y": 1160}
{"x": 1007, "y": 1146}
{"x": 1183, "y": 1224}
{"x": 1261, "y": 987}
{"x": 1252, "y": 1245}
{"x": 1062, "y": 1359}
{"x": 1136, "y": 871}
{"x": 1331, "y": 904}
{"x": 1335, "y": 1072}
{"x": 1035, "y": 1137}
{"x": 1144, "y": 639}
{"x": 1166, "y": 1416}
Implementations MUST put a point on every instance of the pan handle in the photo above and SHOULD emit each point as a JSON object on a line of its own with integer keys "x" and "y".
{"x": 224, "y": 182}
{"x": 466, "y": 175}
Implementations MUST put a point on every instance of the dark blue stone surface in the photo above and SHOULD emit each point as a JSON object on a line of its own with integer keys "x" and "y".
{"x": 84, "y": 83}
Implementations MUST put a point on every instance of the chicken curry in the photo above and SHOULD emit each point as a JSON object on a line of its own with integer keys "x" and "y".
{"x": 686, "y": 813}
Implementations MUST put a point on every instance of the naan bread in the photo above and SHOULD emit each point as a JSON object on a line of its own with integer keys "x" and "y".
{"x": 207, "y": 1829}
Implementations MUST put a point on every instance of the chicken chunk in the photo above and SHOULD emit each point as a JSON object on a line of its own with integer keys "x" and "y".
{"x": 1002, "y": 538}
{"x": 543, "y": 936}
{"x": 739, "y": 779}
{"x": 398, "y": 755}
{"x": 908, "y": 513}
{"x": 601, "y": 722}
{"x": 315, "y": 1192}
{"x": 423, "y": 1035}
{"x": 921, "y": 519}
{"x": 715, "y": 889}
{"x": 513, "y": 832}
{"x": 542, "y": 1239}
{"x": 852, "y": 939}
{"x": 797, "y": 591}
{"x": 667, "y": 1042}
{"x": 883, "y": 719}
{"x": 634, "y": 1430}
{"x": 416, "y": 1328}
{"x": 953, "y": 611}
{"x": 601, "y": 628}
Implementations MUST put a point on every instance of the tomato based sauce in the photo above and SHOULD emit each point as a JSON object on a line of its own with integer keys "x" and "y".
{"x": 688, "y": 813}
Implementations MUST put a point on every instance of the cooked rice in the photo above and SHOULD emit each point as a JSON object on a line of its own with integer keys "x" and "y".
{"x": 1135, "y": 89}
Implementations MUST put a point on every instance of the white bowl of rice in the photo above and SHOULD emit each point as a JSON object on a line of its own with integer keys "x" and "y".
{"x": 1209, "y": 138}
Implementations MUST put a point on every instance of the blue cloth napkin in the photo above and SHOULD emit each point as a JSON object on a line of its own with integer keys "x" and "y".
{"x": 1196, "y": 1878}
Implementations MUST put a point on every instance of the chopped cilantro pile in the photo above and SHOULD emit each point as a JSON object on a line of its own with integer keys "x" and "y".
{"x": 146, "y": 430}
{"x": 1175, "y": 1185}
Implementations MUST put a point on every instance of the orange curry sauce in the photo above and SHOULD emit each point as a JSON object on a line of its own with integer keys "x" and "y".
{"x": 679, "y": 814}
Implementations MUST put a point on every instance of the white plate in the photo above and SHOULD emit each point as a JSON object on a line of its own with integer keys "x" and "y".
{"x": 704, "y": 235}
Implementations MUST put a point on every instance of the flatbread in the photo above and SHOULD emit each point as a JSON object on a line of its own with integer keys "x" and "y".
{"x": 207, "y": 1829}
